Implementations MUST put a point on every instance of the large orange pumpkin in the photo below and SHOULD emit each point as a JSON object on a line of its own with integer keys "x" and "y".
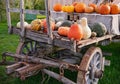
{"x": 45, "y": 25}
{"x": 80, "y": 7}
{"x": 93, "y": 5}
{"x": 75, "y": 32}
{"x": 63, "y": 31}
{"x": 89, "y": 9}
{"x": 114, "y": 9}
{"x": 57, "y": 7}
{"x": 104, "y": 9}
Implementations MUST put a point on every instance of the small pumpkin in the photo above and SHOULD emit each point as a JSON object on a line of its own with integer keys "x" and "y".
{"x": 92, "y": 5}
{"x": 36, "y": 24}
{"x": 19, "y": 23}
{"x": 80, "y": 7}
{"x": 89, "y": 9}
{"x": 104, "y": 9}
{"x": 99, "y": 28}
{"x": 69, "y": 9}
{"x": 63, "y": 31}
{"x": 97, "y": 9}
{"x": 57, "y": 7}
{"x": 45, "y": 25}
{"x": 114, "y": 9}
{"x": 75, "y": 32}
{"x": 64, "y": 8}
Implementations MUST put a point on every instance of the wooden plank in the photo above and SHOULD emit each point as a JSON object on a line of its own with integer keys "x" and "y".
{"x": 28, "y": 11}
{"x": 63, "y": 43}
{"x": 49, "y": 29}
{"x": 86, "y": 42}
{"x": 8, "y": 16}
{"x": 58, "y": 14}
{"x": 63, "y": 79}
{"x": 22, "y": 18}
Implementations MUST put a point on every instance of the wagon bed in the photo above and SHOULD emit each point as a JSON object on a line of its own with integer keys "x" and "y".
{"x": 61, "y": 41}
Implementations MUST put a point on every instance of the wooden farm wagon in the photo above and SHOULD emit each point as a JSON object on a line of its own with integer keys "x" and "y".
{"x": 36, "y": 49}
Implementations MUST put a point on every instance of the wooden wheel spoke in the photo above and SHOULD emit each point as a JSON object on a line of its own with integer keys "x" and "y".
{"x": 27, "y": 48}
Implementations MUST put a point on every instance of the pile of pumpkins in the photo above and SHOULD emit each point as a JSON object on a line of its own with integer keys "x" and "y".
{"x": 73, "y": 30}
{"x": 80, "y": 7}
{"x": 37, "y": 25}
{"x": 80, "y": 30}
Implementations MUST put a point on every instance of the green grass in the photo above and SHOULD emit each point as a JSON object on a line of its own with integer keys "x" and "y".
{"x": 10, "y": 42}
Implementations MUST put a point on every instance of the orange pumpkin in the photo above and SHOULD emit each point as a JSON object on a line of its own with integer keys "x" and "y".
{"x": 57, "y": 7}
{"x": 104, "y": 9}
{"x": 114, "y": 9}
{"x": 45, "y": 25}
{"x": 63, "y": 31}
{"x": 80, "y": 7}
{"x": 75, "y": 32}
{"x": 89, "y": 9}
{"x": 93, "y": 5}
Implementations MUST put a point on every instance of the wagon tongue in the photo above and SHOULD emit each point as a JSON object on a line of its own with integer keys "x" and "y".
{"x": 23, "y": 69}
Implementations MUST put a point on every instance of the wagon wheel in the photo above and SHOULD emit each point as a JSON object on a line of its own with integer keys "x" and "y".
{"x": 90, "y": 67}
{"x": 27, "y": 48}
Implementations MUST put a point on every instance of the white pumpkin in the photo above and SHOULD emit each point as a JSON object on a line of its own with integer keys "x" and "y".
{"x": 25, "y": 24}
{"x": 85, "y": 28}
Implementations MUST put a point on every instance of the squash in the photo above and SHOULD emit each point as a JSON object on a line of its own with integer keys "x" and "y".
{"x": 66, "y": 23}
{"x": 63, "y": 31}
{"x": 85, "y": 28}
{"x": 69, "y": 9}
{"x": 97, "y": 9}
{"x": 58, "y": 19}
{"x": 75, "y": 32}
{"x": 114, "y": 9}
{"x": 99, "y": 28}
{"x": 92, "y": 5}
{"x": 64, "y": 8}
{"x": 28, "y": 26}
{"x": 104, "y": 9}
{"x": 89, "y": 9}
{"x": 57, "y": 7}
{"x": 36, "y": 24}
{"x": 58, "y": 24}
{"x": 45, "y": 25}
{"x": 19, "y": 23}
{"x": 80, "y": 7}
